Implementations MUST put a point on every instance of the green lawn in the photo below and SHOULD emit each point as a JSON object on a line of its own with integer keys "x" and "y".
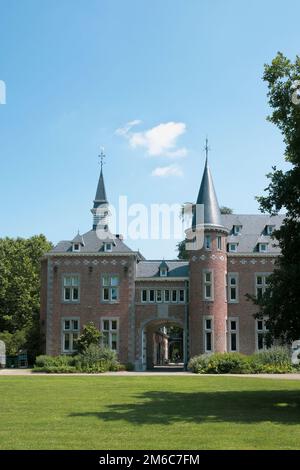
{"x": 149, "y": 413}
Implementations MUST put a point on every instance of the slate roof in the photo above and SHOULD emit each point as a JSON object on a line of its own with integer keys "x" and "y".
{"x": 92, "y": 244}
{"x": 253, "y": 231}
{"x": 176, "y": 268}
{"x": 207, "y": 196}
{"x": 100, "y": 197}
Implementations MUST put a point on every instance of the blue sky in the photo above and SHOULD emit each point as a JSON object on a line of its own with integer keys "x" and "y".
{"x": 77, "y": 71}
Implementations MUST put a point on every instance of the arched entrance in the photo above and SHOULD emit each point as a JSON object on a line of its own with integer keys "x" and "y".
{"x": 163, "y": 345}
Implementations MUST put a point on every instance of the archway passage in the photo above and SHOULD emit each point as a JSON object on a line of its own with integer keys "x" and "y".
{"x": 165, "y": 346}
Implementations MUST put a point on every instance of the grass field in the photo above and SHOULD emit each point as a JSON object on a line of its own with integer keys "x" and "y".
{"x": 149, "y": 413}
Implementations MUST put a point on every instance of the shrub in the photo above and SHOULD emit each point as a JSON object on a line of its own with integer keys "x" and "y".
{"x": 97, "y": 359}
{"x": 199, "y": 364}
{"x": 129, "y": 367}
{"x": 275, "y": 356}
{"x": 58, "y": 364}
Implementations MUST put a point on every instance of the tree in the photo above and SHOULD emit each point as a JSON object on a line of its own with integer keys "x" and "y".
{"x": 20, "y": 290}
{"x": 281, "y": 301}
{"x": 90, "y": 335}
{"x": 226, "y": 210}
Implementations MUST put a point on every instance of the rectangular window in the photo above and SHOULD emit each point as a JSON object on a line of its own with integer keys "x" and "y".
{"x": 110, "y": 333}
{"x": 144, "y": 295}
{"x": 110, "y": 288}
{"x": 207, "y": 242}
{"x": 158, "y": 296}
{"x": 208, "y": 285}
{"x": 237, "y": 229}
{"x": 151, "y": 295}
{"x": 181, "y": 295}
{"x": 232, "y": 247}
{"x": 233, "y": 287}
{"x": 167, "y": 295}
{"x": 108, "y": 247}
{"x": 233, "y": 334}
{"x": 261, "y": 331}
{"x": 219, "y": 242}
{"x": 70, "y": 333}
{"x": 208, "y": 334}
{"x": 163, "y": 272}
{"x": 71, "y": 288}
{"x": 261, "y": 282}
{"x": 76, "y": 247}
{"x": 174, "y": 295}
{"x": 262, "y": 247}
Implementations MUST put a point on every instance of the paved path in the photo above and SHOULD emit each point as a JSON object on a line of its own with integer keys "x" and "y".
{"x": 29, "y": 372}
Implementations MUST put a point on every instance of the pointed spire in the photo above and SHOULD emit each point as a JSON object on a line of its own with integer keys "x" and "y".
{"x": 207, "y": 196}
{"x": 100, "y": 197}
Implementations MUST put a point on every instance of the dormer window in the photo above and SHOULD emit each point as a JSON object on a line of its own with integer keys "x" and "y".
{"x": 76, "y": 247}
{"x": 262, "y": 247}
{"x": 237, "y": 229}
{"x": 163, "y": 269}
{"x": 270, "y": 229}
{"x": 108, "y": 247}
{"x": 232, "y": 247}
{"x": 163, "y": 272}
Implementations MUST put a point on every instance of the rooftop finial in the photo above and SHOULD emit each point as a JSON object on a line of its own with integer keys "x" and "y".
{"x": 206, "y": 148}
{"x": 102, "y": 156}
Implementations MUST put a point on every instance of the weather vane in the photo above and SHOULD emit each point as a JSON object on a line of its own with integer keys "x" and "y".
{"x": 206, "y": 148}
{"x": 102, "y": 156}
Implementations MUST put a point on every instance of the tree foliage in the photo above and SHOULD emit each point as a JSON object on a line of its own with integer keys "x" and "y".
{"x": 20, "y": 291}
{"x": 90, "y": 335}
{"x": 226, "y": 210}
{"x": 281, "y": 301}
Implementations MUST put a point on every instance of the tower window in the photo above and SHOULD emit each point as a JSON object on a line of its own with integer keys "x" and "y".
{"x": 208, "y": 334}
{"x": 219, "y": 242}
{"x": 207, "y": 242}
{"x": 208, "y": 285}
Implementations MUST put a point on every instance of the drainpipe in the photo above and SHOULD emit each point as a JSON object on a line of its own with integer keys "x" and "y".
{"x": 186, "y": 327}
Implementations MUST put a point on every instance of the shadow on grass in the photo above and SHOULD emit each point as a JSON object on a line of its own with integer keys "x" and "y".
{"x": 279, "y": 406}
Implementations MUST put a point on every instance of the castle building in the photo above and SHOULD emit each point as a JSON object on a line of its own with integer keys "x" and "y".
{"x": 154, "y": 312}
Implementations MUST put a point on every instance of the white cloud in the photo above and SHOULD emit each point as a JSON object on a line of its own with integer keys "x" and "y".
{"x": 123, "y": 131}
{"x": 165, "y": 171}
{"x": 159, "y": 140}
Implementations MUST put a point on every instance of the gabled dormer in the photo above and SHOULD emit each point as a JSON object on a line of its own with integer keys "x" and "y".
{"x": 262, "y": 247}
{"x": 232, "y": 247}
{"x": 269, "y": 229}
{"x": 77, "y": 243}
{"x": 236, "y": 229}
{"x": 163, "y": 269}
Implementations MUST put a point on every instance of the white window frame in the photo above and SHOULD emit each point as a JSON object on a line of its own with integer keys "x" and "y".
{"x": 72, "y": 286}
{"x": 235, "y": 286}
{"x": 72, "y": 332}
{"x": 270, "y": 229}
{"x": 110, "y": 331}
{"x": 144, "y": 301}
{"x": 259, "y": 332}
{"x": 219, "y": 243}
{"x": 77, "y": 249}
{"x": 174, "y": 301}
{"x": 106, "y": 247}
{"x": 261, "y": 286}
{"x": 149, "y": 296}
{"x": 260, "y": 245}
{"x": 231, "y": 332}
{"x": 167, "y": 301}
{"x": 208, "y": 283}
{"x": 181, "y": 301}
{"x": 207, "y": 331}
{"x": 110, "y": 287}
{"x": 207, "y": 242}
{"x": 231, "y": 249}
{"x": 161, "y": 296}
